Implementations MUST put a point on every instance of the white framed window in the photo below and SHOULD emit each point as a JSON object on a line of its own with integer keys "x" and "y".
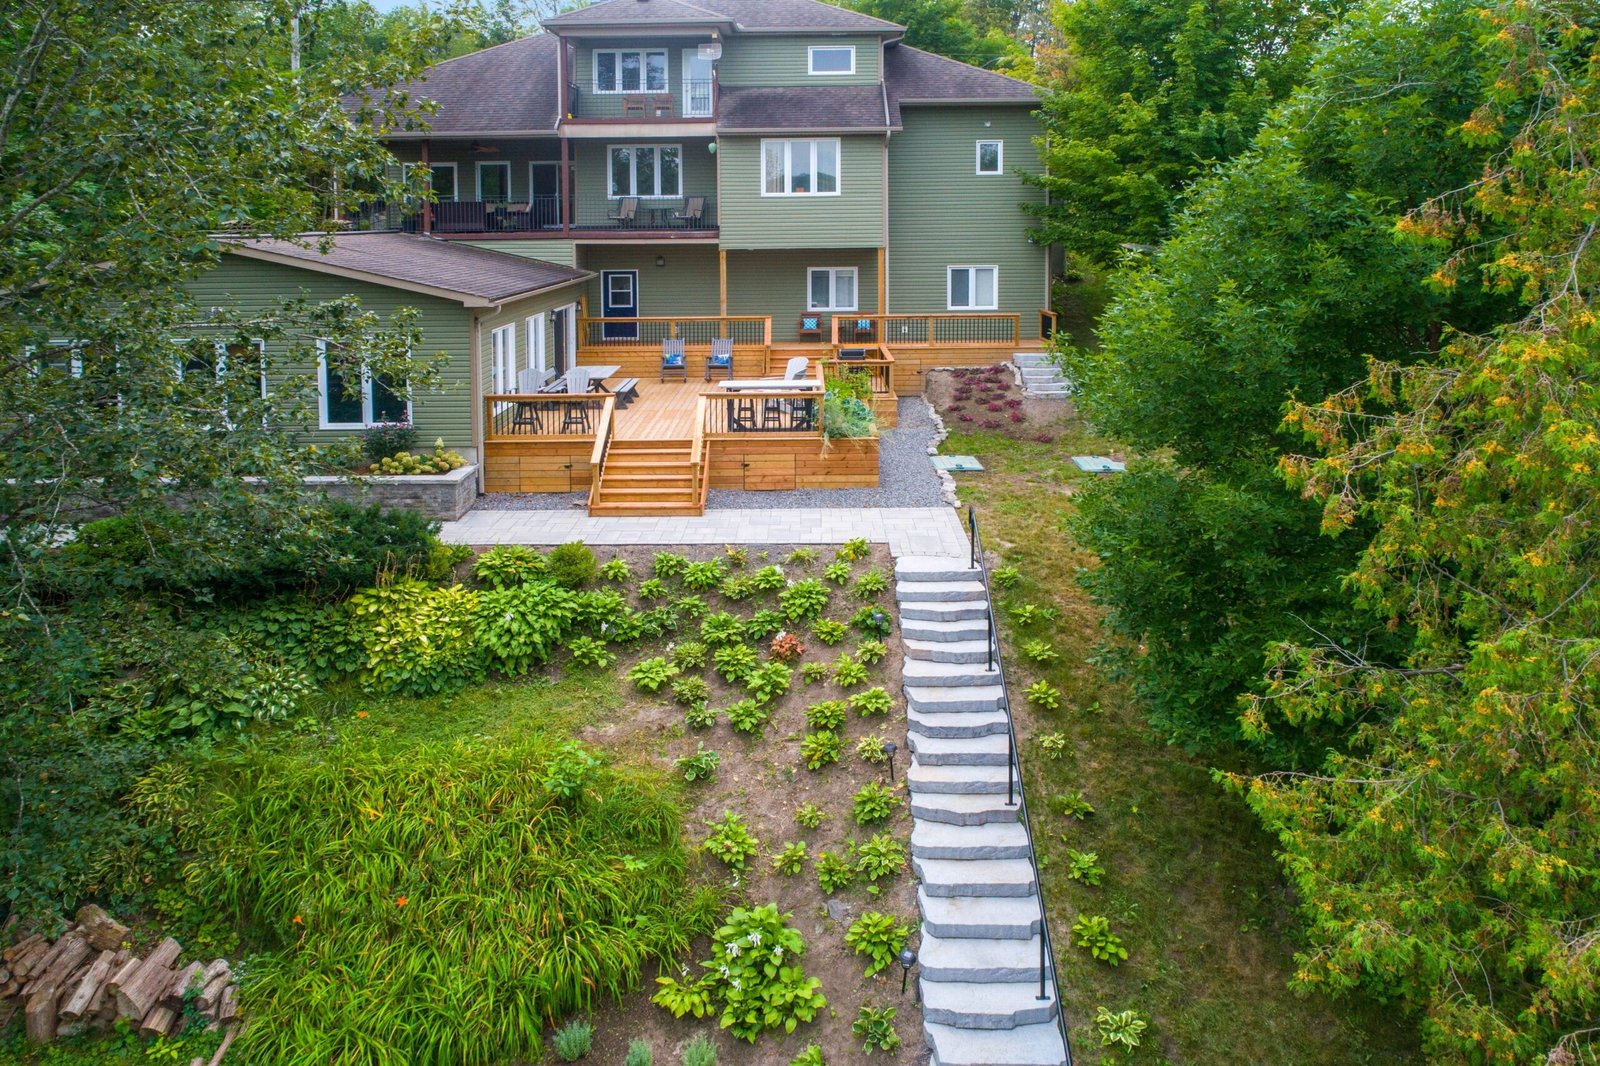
{"x": 537, "y": 355}
{"x": 503, "y": 356}
{"x": 831, "y": 289}
{"x": 991, "y": 157}
{"x": 442, "y": 180}
{"x": 60, "y": 357}
{"x": 831, "y": 59}
{"x": 630, "y": 70}
{"x": 374, "y": 402}
{"x": 800, "y": 168}
{"x": 494, "y": 181}
{"x": 653, "y": 170}
{"x": 973, "y": 288}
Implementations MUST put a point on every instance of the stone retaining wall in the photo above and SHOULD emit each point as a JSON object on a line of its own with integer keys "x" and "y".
{"x": 443, "y": 496}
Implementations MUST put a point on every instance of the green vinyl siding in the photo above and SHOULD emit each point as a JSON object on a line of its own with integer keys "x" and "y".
{"x": 942, "y": 213}
{"x": 852, "y": 219}
{"x": 687, "y": 285}
{"x": 517, "y": 314}
{"x": 774, "y": 283}
{"x": 609, "y": 105}
{"x": 256, "y": 287}
{"x": 775, "y": 60}
{"x": 562, "y": 253}
{"x": 519, "y": 153}
{"x": 698, "y": 173}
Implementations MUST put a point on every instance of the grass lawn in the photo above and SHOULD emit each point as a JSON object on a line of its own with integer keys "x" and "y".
{"x": 1190, "y": 882}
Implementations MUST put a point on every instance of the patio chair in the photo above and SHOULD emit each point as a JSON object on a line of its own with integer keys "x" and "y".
{"x": 672, "y": 360}
{"x": 627, "y": 211}
{"x": 856, "y": 330}
{"x": 720, "y": 361}
{"x": 795, "y": 369}
{"x": 634, "y": 105}
{"x": 693, "y": 213}
{"x": 576, "y": 415}
{"x": 811, "y": 327}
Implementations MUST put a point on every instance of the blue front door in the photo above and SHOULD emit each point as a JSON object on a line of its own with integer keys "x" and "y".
{"x": 619, "y": 298}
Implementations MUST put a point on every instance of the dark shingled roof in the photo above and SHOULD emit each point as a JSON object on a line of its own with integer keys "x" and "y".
{"x": 476, "y": 276}
{"x": 747, "y": 15}
{"x": 510, "y": 88}
{"x": 829, "y": 107}
{"x": 915, "y": 76}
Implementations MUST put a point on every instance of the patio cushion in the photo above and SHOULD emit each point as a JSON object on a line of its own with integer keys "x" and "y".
{"x": 863, "y": 323}
{"x": 720, "y": 359}
{"x": 672, "y": 359}
{"x": 810, "y": 322}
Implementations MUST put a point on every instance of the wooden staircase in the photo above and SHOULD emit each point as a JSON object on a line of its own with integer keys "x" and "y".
{"x": 647, "y": 477}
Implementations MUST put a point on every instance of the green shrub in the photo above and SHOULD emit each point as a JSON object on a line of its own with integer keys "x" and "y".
{"x": 653, "y": 588}
{"x": 802, "y": 557}
{"x": 754, "y": 977}
{"x": 881, "y": 856}
{"x": 804, "y": 600}
{"x": 791, "y": 859}
{"x": 873, "y": 622}
{"x": 415, "y": 639}
{"x": 425, "y": 872}
{"x": 836, "y": 872}
{"x": 872, "y": 584}
{"x": 571, "y": 565}
{"x": 1040, "y": 651}
{"x": 1093, "y": 931}
{"x": 730, "y": 841}
{"x": 386, "y": 439}
{"x": 1084, "y": 866}
{"x": 749, "y": 716}
{"x": 769, "y": 681}
{"x": 875, "y": 802}
{"x": 639, "y": 1053}
{"x": 828, "y": 630}
{"x": 879, "y": 937}
{"x": 690, "y": 606}
{"x": 701, "y": 766}
{"x": 522, "y": 626}
{"x": 820, "y": 749}
{"x": 763, "y": 624}
{"x": 826, "y": 714}
{"x": 1073, "y": 803}
{"x": 721, "y": 629}
{"x": 875, "y": 1026}
{"x": 871, "y": 702}
{"x": 1054, "y": 745}
{"x": 700, "y": 716}
{"x": 809, "y": 815}
{"x": 738, "y": 588}
{"x": 591, "y": 653}
{"x": 616, "y": 570}
{"x": 870, "y": 749}
{"x": 811, "y": 1056}
{"x": 1043, "y": 694}
{"x": 853, "y": 550}
{"x": 768, "y": 579}
{"x": 872, "y": 651}
{"x": 1120, "y": 1029}
{"x": 692, "y": 690}
{"x": 847, "y": 673}
{"x": 700, "y": 1051}
{"x": 837, "y": 572}
{"x": 667, "y": 564}
{"x": 573, "y": 1040}
{"x": 1005, "y": 577}
{"x": 507, "y": 566}
{"x": 735, "y": 662}
{"x": 648, "y": 675}
{"x": 690, "y": 655}
{"x": 814, "y": 673}
{"x": 704, "y": 576}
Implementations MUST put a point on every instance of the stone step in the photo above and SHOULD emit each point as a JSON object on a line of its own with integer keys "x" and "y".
{"x": 944, "y": 611}
{"x": 972, "y": 960}
{"x": 941, "y": 591}
{"x": 977, "y": 1005}
{"x": 1041, "y": 373}
{"x": 1063, "y": 391}
{"x": 1031, "y": 358}
{"x": 979, "y": 917}
{"x": 957, "y": 780}
{"x": 958, "y": 726}
{"x": 991, "y": 840}
{"x": 991, "y": 750}
{"x": 1027, "y": 1045}
{"x": 948, "y": 651}
{"x": 975, "y": 877}
{"x": 924, "y": 629}
{"x": 925, "y": 673}
{"x": 952, "y": 809}
{"x": 962, "y": 699}
{"x": 915, "y": 568}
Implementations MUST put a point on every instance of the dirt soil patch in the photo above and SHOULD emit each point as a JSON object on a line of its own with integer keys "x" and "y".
{"x": 989, "y": 398}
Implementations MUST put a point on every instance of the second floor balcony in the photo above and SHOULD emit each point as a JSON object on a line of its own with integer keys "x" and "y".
{"x": 692, "y": 99}
{"x": 542, "y": 216}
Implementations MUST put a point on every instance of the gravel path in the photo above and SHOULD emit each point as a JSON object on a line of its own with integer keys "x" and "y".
{"x": 905, "y": 479}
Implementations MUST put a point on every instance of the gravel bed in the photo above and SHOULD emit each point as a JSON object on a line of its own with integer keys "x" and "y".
{"x": 905, "y": 479}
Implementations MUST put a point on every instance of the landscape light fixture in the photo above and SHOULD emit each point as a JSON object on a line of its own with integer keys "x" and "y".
{"x": 889, "y": 748}
{"x": 908, "y": 959}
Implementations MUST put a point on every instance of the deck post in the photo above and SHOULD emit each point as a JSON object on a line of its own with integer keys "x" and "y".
{"x": 427, "y": 205}
{"x": 566, "y": 177}
{"x": 722, "y": 283}
{"x": 883, "y": 280}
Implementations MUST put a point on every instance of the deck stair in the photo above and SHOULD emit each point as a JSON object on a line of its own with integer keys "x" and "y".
{"x": 646, "y": 477}
{"x": 981, "y": 913}
{"x": 1041, "y": 375}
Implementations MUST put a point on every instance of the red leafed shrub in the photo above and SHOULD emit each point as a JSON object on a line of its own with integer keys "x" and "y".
{"x": 992, "y": 406}
{"x": 992, "y": 423}
{"x": 1045, "y": 438}
{"x": 966, "y": 418}
{"x": 1013, "y": 403}
{"x": 1016, "y": 416}
{"x": 957, "y": 408}
{"x": 786, "y": 647}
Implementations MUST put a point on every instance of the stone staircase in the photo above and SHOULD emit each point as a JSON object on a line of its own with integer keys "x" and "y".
{"x": 981, "y": 915}
{"x": 1041, "y": 376}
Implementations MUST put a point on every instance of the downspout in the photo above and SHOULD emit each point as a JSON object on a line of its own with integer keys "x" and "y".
{"x": 475, "y": 350}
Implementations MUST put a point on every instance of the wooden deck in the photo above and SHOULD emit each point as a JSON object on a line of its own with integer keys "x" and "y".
{"x": 662, "y": 411}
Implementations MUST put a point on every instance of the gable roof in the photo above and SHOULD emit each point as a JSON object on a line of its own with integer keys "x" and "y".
{"x": 472, "y": 277}
{"x": 510, "y": 88}
{"x": 822, "y": 108}
{"x": 746, "y": 16}
{"x": 913, "y": 76}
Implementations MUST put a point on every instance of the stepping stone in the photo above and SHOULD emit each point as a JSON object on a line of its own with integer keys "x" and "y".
{"x": 950, "y": 809}
{"x": 1027, "y": 1045}
{"x": 975, "y": 877}
{"x": 958, "y": 780}
{"x": 989, "y": 840}
{"x": 921, "y": 673}
{"x": 945, "y": 725}
{"x": 994, "y": 750}
{"x": 974, "y": 652}
{"x": 974, "y": 961}
{"x": 959, "y": 700}
{"x": 926, "y": 629}
{"x": 985, "y": 1006}
{"x": 941, "y": 591}
{"x": 982, "y": 917}
{"x": 933, "y": 568}
{"x": 944, "y": 610}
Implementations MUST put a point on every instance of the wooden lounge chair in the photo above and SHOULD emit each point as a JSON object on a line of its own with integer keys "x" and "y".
{"x": 810, "y": 327}
{"x": 856, "y": 330}
{"x": 693, "y": 213}
{"x": 634, "y": 105}
{"x": 627, "y": 211}
{"x": 720, "y": 361}
{"x": 673, "y": 361}
{"x": 796, "y": 368}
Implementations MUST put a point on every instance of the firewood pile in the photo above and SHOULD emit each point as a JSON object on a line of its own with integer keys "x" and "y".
{"x": 89, "y": 978}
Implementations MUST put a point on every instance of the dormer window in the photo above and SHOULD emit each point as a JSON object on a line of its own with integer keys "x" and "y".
{"x": 630, "y": 70}
{"x": 833, "y": 59}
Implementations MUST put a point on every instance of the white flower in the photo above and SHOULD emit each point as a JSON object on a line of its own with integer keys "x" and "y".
{"x": 725, "y": 971}
{"x": 735, "y": 983}
{"x": 777, "y": 954}
{"x": 733, "y": 950}
{"x": 755, "y": 939}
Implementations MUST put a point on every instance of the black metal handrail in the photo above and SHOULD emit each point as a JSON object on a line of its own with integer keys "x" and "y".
{"x": 1016, "y": 794}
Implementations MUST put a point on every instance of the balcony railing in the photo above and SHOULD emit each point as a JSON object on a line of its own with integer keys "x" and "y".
{"x": 543, "y": 215}
{"x": 694, "y": 98}
{"x": 696, "y": 331}
{"x": 954, "y": 329}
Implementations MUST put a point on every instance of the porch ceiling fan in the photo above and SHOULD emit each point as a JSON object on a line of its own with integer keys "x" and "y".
{"x": 485, "y": 149}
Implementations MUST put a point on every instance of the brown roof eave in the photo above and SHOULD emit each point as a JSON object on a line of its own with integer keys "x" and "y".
{"x": 791, "y": 131}
{"x": 446, "y": 135}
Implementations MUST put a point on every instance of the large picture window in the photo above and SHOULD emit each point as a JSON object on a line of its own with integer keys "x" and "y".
{"x": 654, "y": 170}
{"x": 800, "y": 168}
{"x": 374, "y": 400}
{"x": 974, "y": 288}
{"x": 831, "y": 289}
{"x": 630, "y": 70}
{"x": 442, "y": 180}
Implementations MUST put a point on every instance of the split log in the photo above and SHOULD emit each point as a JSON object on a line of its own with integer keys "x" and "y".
{"x": 212, "y": 993}
{"x": 103, "y": 932}
{"x": 228, "y": 1005}
{"x": 181, "y": 984}
{"x": 227, "y": 1041}
{"x": 39, "y": 1018}
{"x": 159, "y": 1021}
{"x": 28, "y": 960}
{"x": 80, "y": 997}
{"x": 21, "y": 947}
{"x": 141, "y": 991}
{"x": 52, "y": 977}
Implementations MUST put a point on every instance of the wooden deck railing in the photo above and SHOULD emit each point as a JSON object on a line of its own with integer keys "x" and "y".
{"x": 524, "y": 416}
{"x": 650, "y": 331}
{"x": 604, "y": 430}
{"x": 699, "y": 455}
{"x": 1048, "y": 322}
{"x": 951, "y": 330}
{"x": 745, "y": 414}
{"x": 879, "y": 366}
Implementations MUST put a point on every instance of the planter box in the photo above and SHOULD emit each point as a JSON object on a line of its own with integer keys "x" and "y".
{"x": 443, "y": 496}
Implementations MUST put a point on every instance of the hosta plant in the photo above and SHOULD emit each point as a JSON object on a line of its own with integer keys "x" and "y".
{"x": 814, "y": 673}
{"x": 730, "y": 841}
{"x": 804, "y": 600}
{"x": 737, "y": 555}
{"x": 721, "y": 628}
{"x": 690, "y": 655}
{"x": 811, "y": 1056}
{"x": 690, "y": 606}
{"x": 667, "y": 564}
{"x": 648, "y": 675}
{"x": 880, "y": 937}
{"x": 829, "y": 631}
{"x": 791, "y": 859}
{"x": 1120, "y": 1028}
{"x": 653, "y": 588}
{"x": 507, "y": 566}
{"x": 753, "y": 979}
{"x": 734, "y": 662}
{"x": 768, "y": 579}
{"x": 764, "y": 624}
{"x": 820, "y": 749}
{"x": 853, "y": 549}
{"x": 847, "y": 673}
{"x": 592, "y": 653}
{"x": 769, "y": 681}
{"x": 837, "y": 572}
{"x": 871, "y": 702}
{"x": 1084, "y": 866}
{"x": 1072, "y": 802}
{"x": 875, "y": 1027}
{"x": 1043, "y": 694}
{"x": 704, "y": 576}
{"x": 749, "y": 716}
{"x": 1040, "y": 651}
{"x": 786, "y": 648}
{"x": 701, "y": 766}
{"x": 803, "y": 557}
{"x": 616, "y": 570}
{"x": 872, "y": 651}
{"x": 873, "y": 622}
{"x": 875, "y": 803}
{"x": 809, "y": 815}
{"x": 883, "y": 855}
{"x": 870, "y": 749}
{"x": 1054, "y": 745}
{"x": 738, "y": 588}
{"x": 1024, "y": 615}
{"x": 871, "y": 584}
{"x": 1005, "y": 577}
{"x": 700, "y": 716}
{"x": 1093, "y": 931}
{"x": 835, "y": 872}
{"x": 692, "y": 690}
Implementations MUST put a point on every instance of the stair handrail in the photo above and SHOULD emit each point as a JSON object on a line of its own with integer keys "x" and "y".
{"x": 697, "y": 453}
{"x": 1016, "y": 794}
{"x": 603, "y": 431}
